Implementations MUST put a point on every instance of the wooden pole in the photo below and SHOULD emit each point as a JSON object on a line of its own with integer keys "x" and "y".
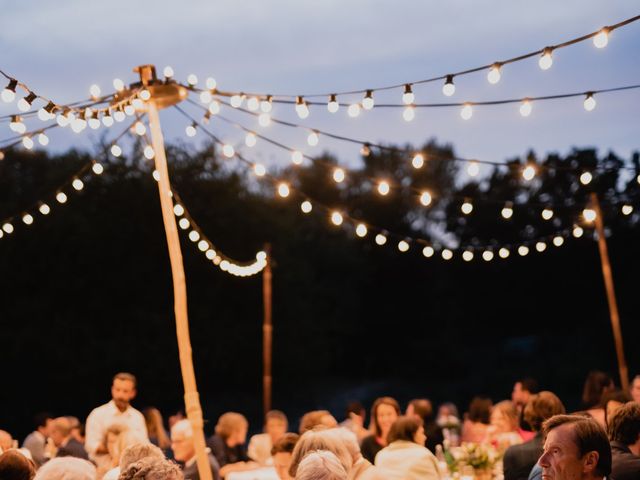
{"x": 267, "y": 332}
{"x": 611, "y": 296}
{"x": 191, "y": 397}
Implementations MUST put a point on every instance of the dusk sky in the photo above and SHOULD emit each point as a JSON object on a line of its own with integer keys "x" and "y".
{"x": 60, "y": 48}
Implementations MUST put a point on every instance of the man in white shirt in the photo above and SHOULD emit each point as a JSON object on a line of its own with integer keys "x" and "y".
{"x": 117, "y": 412}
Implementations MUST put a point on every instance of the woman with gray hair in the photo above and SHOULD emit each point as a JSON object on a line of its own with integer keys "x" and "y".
{"x": 319, "y": 440}
{"x": 321, "y": 465}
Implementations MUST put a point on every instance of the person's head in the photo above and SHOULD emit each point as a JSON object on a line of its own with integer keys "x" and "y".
{"x": 182, "y": 441}
{"x": 281, "y": 453}
{"x": 152, "y": 468}
{"x": 60, "y": 430}
{"x": 137, "y": 452}
{"x": 321, "y": 465}
{"x": 348, "y": 439}
{"x": 480, "y": 410}
{"x": 504, "y": 417}
{"x": 356, "y": 412}
{"x": 384, "y": 412}
{"x": 123, "y": 390}
{"x": 420, "y": 407}
{"x": 155, "y": 426}
{"x": 77, "y": 429}
{"x": 595, "y": 385}
{"x": 6, "y": 441}
{"x": 315, "y": 418}
{"x": 275, "y": 424}
{"x": 522, "y": 391}
{"x": 448, "y": 409}
{"x": 624, "y": 426}
{"x": 635, "y": 389}
{"x": 119, "y": 437}
{"x": 319, "y": 440}
{"x": 575, "y": 447}
{"x": 15, "y": 466}
{"x": 408, "y": 429}
{"x": 232, "y": 428}
{"x": 540, "y": 407}
{"x": 66, "y": 468}
{"x": 41, "y": 423}
{"x": 612, "y": 401}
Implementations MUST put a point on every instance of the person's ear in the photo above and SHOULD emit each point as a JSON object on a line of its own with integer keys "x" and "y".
{"x": 590, "y": 461}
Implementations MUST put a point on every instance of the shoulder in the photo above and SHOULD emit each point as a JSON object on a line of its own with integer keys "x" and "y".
{"x": 101, "y": 410}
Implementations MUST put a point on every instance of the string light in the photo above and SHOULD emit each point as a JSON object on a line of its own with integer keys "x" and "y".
{"x": 214, "y": 107}
{"x": 541, "y": 247}
{"x": 283, "y": 190}
{"x": 156, "y": 175}
{"x": 296, "y": 157}
{"x": 194, "y": 236}
{"x": 61, "y": 197}
{"x": 183, "y": 223}
{"x": 210, "y": 254}
{"x": 381, "y": 239}
{"x": 425, "y": 198}
{"x": 354, "y": 110}
{"x": 473, "y": 169}
{"x": 577, "y": 231}
{"x": 78, "y": 124}
{"x": 94, "y": 122}
{"x": 558, "y": 240}
{"x": 27, "y": 142}
{"x": 428, "y": 251}
{"x": 546, "y": 59}
{"x": 190, "y": 130}
{"x": 529, "y": 172}
{"x": 547, "y": 214}
{"x": 192, "y": 79}
{"x": 148, "y": 152}
{"x": 266, "y": 106}
{"x": 383, "y": 188}
{"x": 107, "y": 119}
{"x": 8, "y": 95}
{"x": 409, "y": 113}
{"x": 16, "y": 125}
{"x": 129, "y": 110}
{"x": 365, "y": 151}
{"x": 487, "y": 255}
{"x": 140, "y": 129}
{"x": 253, "y": 104}
{"x": 178, "y": 210}
{"x": 264, "y": 119}
{"x": 627, "y": 209}
{"x": 97, "y": 168}
{"x": 361, "y": 230}
{"x": 403, "y": 246}
{"x": 523, "y": 250}
{"x": 589, "y": 214}
{"x": 467, "y": 111}
{"x": 417, "y": 161}
{"x": 44, "y": 209}
{"x": 336, "y": 218}
{"x": 333, "y": 106}
{"x": 168, "y": 72}
{"x": 338, "y": 175}
{"x": 589, "y": 102}
{"x": 43, "y": 139}
{"x": 449, "y": 88}
{"x": 250, "y": 140}
{"x": 145, "y": 95}
{"x": 206, "y": 97}
{"x": 368, "y": 101}
{"x": 525, "y": 108}
{"x": 24, "y": 104}
{"x": 118, "y": 84}
{"x": 46, "y": 113}
{"x": 228, "y": 151}
{"x": 8, "y": 228}
{"x": 306, "y": 206}
{"x": 116, "y": 151}
{"x": 494, "y": 73}
{"x": 602, "y": 38}
{"x": 467, "y": 207}
{"x": 27, "y": 219}
{"x": 203, "y": 245}
{"x": 467, "y": 255}
{"x": 236, "y": 100}
{"x": 507, "y": 211}
{"x": 408, "y": 97}
{"x": 77, "y": 184}
{"x": 447, "y": 254}
{"x": 211, "y": 83}
{"x": 504, "y": 252}
{"x": 119, "y": 116}
{"x": 301, "y": 108}
{"x": 586, "y": 178}
{"x": 313, "y": 139}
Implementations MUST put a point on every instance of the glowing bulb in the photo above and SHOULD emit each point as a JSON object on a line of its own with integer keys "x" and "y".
{"x": 27, "y": 219}
{"x": 253, "y": 104}
{"x": 203, "y": 245}
{"x": 139, "y": 128}
{"x": 97, "y": 168}
{"x": 589, "y": 214}
{"x": 333, "y": 106}
{"x": 61, "y": 197}
{"x": 577, "y": 231}
{"x": 107, "y": 120}
{"x": 525, "y": 108}
{"x": 129, "y": 110}
{"x": 250, "y": 140}
{"x": 541, "y": 247}
{"x": 283, "y": 190}
{"x": 523, "y": 250}
{"x": 77, "y": 184}
{"x": 236, "y": 100}
{"x": 156, "y": 175}
{"x": 589, "y": 102}
{"x": 467, "y": 255}
{"x": 116, "y": 151}
{"x": 228, "y": 151}
{"x": 383, "y": 188}
{"x": 467, "y": 111}
{"x": 61, "y": 119}
{"x": 266, "y": 106}
{"x": 214, "y": 107}
{"x": 178, "y": 210}
{"x": 184, "y": 223}
{"x": 43, "y": 139}
{"x": 368, "y": 102}
{"x": 547, "y": 214}
{"x": 494, "y": 74}
{"x": 27, "y": 142}
{"x": 16, "y": 125}
{"x": 192, "y": 79}
{"x": 447, "y": 254}
{"x": 507, "y": 212}
{"x": 206, "y": 97}
{"x": 94, "y": 91}
{"x": 408, "y": 97}
{"x": 586, "y": 178}
{"x": 336, "y": 218}
{"x": 44, "y": 115}
{"x": 361, "y": 230}
{"x": 354, "y": 110}
{"x": 487, "y": 255}
{"x": 296, "y": 157}
{"x": 558, "y": 241}
{"x": 24, "y": 104}
{"x": 8, "y": 95}
{"x": 627, "y": 209}
{"x": 190, "y": 130}
{"x": 313, "y": 139}
{"x": 210, "y": 254}
{"x": 44, "y": 209}
{"x": 473, "y": 169}
{"x": 168, "y": 72}
{"x": 194, "y": 236}
{"x": 119, "y": 116}
{"x": 8, "y": 228}
{"x": 602, "y": 38}
{"x": 264, "y": 119}
{"x": 467, "y": 207}
{"x": 211, "y": 83}
{"x": 94, "y": 123}
{"x": 417, "y": 161}
{"x": 118, "y": 84}
{"x": 148, "y": 152}
{"x": 504, "y": 252}
{"x": 338, "y": 175}
{"x": 306, "y": 206}
{"x": 409, "y": 113}
{"x": 449, "y": 88}
{"x": 546, "y": 60}
{"x": 78, "y": 125}
{"x": 529, "y": 172}
{"x": 403, "y": 246}
{"x": 428, "y": 251}
{"x": 425, "y": 199}
{"x": 381, "y": 239}
{"x": 301, "y": 108}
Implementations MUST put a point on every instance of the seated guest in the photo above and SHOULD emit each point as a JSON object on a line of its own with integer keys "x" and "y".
{"x": 6, "y": 441}
{"x": 281, "y": 453}
{"x": 67, "y": 468}
{"x": 311, "y": 420}
{"x": 67, "y": 446}
{"x": 423, "y": 409}
{"x": 137, "y": 452}
{"x": 523, "y": 389}
{"x": 15, "y": 466}
{"x": 449, "y": 421}
{"x": 275, "y": 426}
{"x": 520, "y": 459}
{"x": 36, "y": 441}
{"x": 503, "y": 426}
{"x": 624, "y": 433}
{"x": 612, "y": 401}
{"x": 119, "y": 438}
{"x": 384, "y": 412}
{"x": 155, "y": 428}
{"x": 184, "y": 451}
{"x": 321, "y": 465}
{"x": 227, "y": 445}
{"x": 362, "y": 469}
{"x": 406, "y": 457}
{"x": 319, "y": 440}
{"x": 77, "y": 429}
{"x": 635, "y": 389}
{"x": 152, "y": 468}
{"x": 595, "y": 386}
{"x": 356, "y": 415}
{"x": 476, "y": 423}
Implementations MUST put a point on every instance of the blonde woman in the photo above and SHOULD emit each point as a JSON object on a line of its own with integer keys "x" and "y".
{"x": 155, "y": 428}
{"x": 503, "y": 426}
{"x": 228, "y": 444}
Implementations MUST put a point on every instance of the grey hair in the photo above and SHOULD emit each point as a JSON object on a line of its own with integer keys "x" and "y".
{"x": 349, "y": 439}
{"x": 138, "y": 451}
{"x": 152, "y": 468}
{"x": 321, "y": 465}
{"x": 66, "y": 468}
{"x": 184, "y": 427}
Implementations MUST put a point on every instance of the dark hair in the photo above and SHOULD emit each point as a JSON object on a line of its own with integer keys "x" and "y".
{"x": 15, "y": 466}
{"x": 624, "y": 425}
{"x": 286, "y": 444}
{"x": 594, "y": 386}
{"x": 529, "y": 384}
{"x": 589, "y": 437}
{"x": 355, "y": 407}
{"x": 404, "y": 428}
{"x": 392, "y": 402}
{"x": 40, "y": 419}
{"x": 480, "y": 410}
{"x": 540, "y": 407}
{"x": 125, "y": 376}
{"x": 422, "y": 407}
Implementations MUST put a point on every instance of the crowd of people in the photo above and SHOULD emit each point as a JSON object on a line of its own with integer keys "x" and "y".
{"x": 534, "y": 436}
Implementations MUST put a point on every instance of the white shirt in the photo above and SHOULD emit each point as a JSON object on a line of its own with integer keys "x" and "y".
{"x": 103, "y": 417}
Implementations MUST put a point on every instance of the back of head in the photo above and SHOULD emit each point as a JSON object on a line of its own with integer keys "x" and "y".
{"x": 355, "y": 407}
{"x": 509, "y": 411}
{"x": 276, "y": 415}
{"x": 66, "y": 468}
{"x": 41, "y": 419}
{"x": 348, "y": 439}
{"x": 315, "y": 418}
{"x": 595, "y": 385}
{"x": 62, "y": 425}
{"x": 540, "y": 407}
{"x": 6, "y": 440}
{"x": 529, "y": 385}
{"x": 624, "y": 425}
{"x": 152, "y": 468}
{"x": 286, "y": 444}
{"x": 15, "y": 466}
{"x": 230, "y": 422}
{"x": 404, "y": 428}
{"x": 423, "y": 408}
{"x": 480, "y": 410}
{"x": 137, "y": 452}
{"x": 319, "y": 440}
{"x": 321, "y": 465}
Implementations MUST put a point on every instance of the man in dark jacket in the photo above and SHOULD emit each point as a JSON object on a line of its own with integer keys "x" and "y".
{"x": 624, "y": 434}
{"x": 67, "y": 445}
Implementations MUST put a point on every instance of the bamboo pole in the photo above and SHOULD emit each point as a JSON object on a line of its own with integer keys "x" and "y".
{"x": 191, "y": 397}
{"x": 267, "y": 333}
{"x": 611, "y": 296}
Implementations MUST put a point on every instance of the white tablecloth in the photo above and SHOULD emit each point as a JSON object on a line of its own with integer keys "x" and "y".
{"x": 266, "y": 473}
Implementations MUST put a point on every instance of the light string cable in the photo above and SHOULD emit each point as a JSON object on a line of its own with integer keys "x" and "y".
{"x": 600, "y": 38}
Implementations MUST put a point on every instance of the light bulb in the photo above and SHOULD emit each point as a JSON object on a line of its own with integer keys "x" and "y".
{"x": 547, "y": 214}
{"x": 118, "y": 84}
{"x": 214, "y": 107}
{"x": 525, "y": 108}
{"x": 44, "y": 115}
{"x": 523, "y": 250}
{"x": 210, "y": 254}
{"x": 44, "y": 209}
{"x": 447, "y": 254}
{"x": 203, "y": 245}
{"x": 116, "y": 151}
{"x": 264, "y": 119}
{"x": 589, "y": 102}
{"x": 236, "y": 100}
{"x": 577, "y": 231}
{"x": 409, "y": 113}
{"x": 148, "y": 152}
{"x": 250, "y": 139}
{"x": 97, "y": 168}
{"x": 473, "y": 169}
{"x": 61, "y": 119}
{"x": 383, "y": 188}
{"x": 301, "y": 108}
{"x": 78, "y": 125}
{"x": 43, "y": 139}
{"x": 94, "y": 122}
{"x": 467, "y": 207}
{"x": 211, "y": 83}
{"x": 541, "y": 246}
{"x": 338, "y": 175}
{"x": 8, "y": 95}
{"x": 336, "y": 218}
{"x": 206, "y": 97}
{"x": 529, "y": 172}
{"x": 627, "y": 209}
{"x": 354, "y": 110}
{"x": 283, "y": 190}
{"x": 487, "y": 255}
{"x": 190, "y": 130}
{"x": 16, "y": 125}
{"x": 546, "y": 59}
{"x": 253, "y": 104}
{"x": 408, "y": 97}
{"x": 504, "y": 252}
{"x": 259, "y": 170}
{"x": 313, "y": 139}
{"x": 467, "y": 111}
{"x": 168, "y": 72}
{"x": 156, "y": 175}
{"x": 306, "y": 206}
{"x": 425, "y": 198}
{"x": 507, "y": 212}
{"x": 94, "y": 91}
{"x": 467, "y": 255}
{"x": 27, "y": 142}
{"x": 449, "y": 88}
{"x": 589, "y": 214}
{"x": 194, "y": 236}
{"x": 558, "y": 241}
{"x": 494, "y": 74}
{"x": 24, "y": 104}
{"x": 192, "y": 79}
{"x": 266, "y": 106}
{"x": 184, "y": 223}
{"x": 119, "y": 116}
{"x": 602, "y": 38}
{"x": 8, "y": 228}
{"x": 586, "y": 178}
{"x": 403, "y": 246}
{"x": 140, "y": 129}
{"x": 361, "y": 230}
{"x": 77, "y": 184}
{"x": 296, "y": 157}
{"x": 428, "y": 251}
{"x": 417, "y": 161}
{"x": 228, "y": 151}
{"x": 129, "y": 110}
{"x": 381, "y": 239}
{"x": 61, "y": 197}
{"x": 368, "y": 102}
{"x": 333, "y": 106}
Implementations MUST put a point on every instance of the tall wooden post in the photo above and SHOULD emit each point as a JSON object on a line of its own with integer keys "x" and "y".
{"x": 267, "y": 333}
{"x": 611, "y": 296}
{"x": 191, "y": 397}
